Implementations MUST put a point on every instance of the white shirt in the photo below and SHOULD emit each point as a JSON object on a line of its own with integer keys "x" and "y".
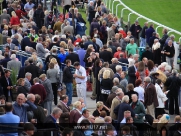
{"x": 124, "y": 120}
{"x": 140, "y": 92}
{"x": 80, "y": 119}
{"x": 81, "y": 72}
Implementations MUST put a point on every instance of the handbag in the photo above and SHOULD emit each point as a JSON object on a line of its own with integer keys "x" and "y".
{"x": 105, "y": 91}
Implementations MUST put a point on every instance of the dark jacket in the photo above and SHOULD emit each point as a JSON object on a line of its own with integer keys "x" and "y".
{"x": 21, "y": 73}
{"x": 149, "y": 33}
{"x": 147, "y": 54}
{"x": 123, "y": 60}
{"x": 94, "y": 25}
{"x": 4, "y": 85}
{"x": 131, "y": 75}
{"x": 22, "y": 89}
{"x": 110, "y": 99}
{"x": 34, "y": 70}
{"x": 129, "y": 93}
{"x": 15, "y": 41}
{"x": 113, "y": 66}
{"x": 143, "y": 33}
{"x": 119, "y": 111}
{"x": 67, "y": 75}
{"x": 151, "y": 41}
{"x": 106, "y": 84}
{"x": 73, "y": 57}
{"x": 4, "y": 62}
{"x": 106, "y": 56}
{"x": 173, "y": 84}
{"x": 64, "y": 118}
{"x": 25, "y": 42}
{"x": 150, "y": 96}
{"x": 134, "y": 30}
{"x": 50, "y": 123}
{"x": 163, "y": 40}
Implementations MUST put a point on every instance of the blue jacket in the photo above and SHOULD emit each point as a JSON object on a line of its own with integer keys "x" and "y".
{"x": 9, "y": 119}
{"x": 119, "y": 111}
{"x": 149, "y": 33}
{"x": 21, "y": 111}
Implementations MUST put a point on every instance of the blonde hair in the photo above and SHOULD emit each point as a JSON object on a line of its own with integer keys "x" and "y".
{"x": 99, "y": 103}
{"x": 109, "y": 49}
{"x": 13, "y": 14}
{"x": 20, "y": 81}
{"x": 76, "y": 104}
{"x": 53, "y": 60}
{"x": 106, "y": 74}
{"x": 63, "y": 44}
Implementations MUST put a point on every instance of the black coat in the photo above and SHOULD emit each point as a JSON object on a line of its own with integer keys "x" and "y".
{"x": 173, "y": 84}
{"x": 151, "y": 41}
{"x": 163, "y": 40}
{"x": 21, "y": 72}
{"x": 106, "y": 84}
{"x": 131, "y": 75}
{"x": 157, "y": 56}
{"x": 129, "y": 93}
{"x": 23, "y": 89}
{"x": 39, "y": 17}
{"x": 67, "y": 75}
{"x": 106, "y": 56}
{"x": 73, "y": 57}
{"x": 119, "y": 111}
{"x": 134, "y": 29}
{"x": 4, "y": 85}
{"x": 113, "y": 66}
{"x": 147, "y": 54}
{"x": 143, "y": 32}
{"x": 15, "y": 41}
{"x": 4, "y": 62}
{"x": 25, "y": 42}
{"x": 34, "y": 70}
{"x": 123, "y": 60}
{"x": 49, "y": 123}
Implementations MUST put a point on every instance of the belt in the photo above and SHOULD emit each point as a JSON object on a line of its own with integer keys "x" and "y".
{"x": 78, "y": 83}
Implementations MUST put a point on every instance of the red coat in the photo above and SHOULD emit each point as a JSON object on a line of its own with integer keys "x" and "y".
{"x": 123, "y": 33}
{"x": 117, "y": 54}
{"x": 19, "y": 12}
{"x": 15, "y": 21}
{"x": 39, "y": 89}
{"x": 78, "y": 40}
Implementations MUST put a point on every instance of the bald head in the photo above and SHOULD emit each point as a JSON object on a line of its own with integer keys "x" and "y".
{"x": 134, "y": 97}
{"x": 20, "y": 99}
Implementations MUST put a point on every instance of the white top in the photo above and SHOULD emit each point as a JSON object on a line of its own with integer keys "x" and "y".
{"x": 56, "y": 66}
{"x": 80, "y": 119}
{"x": 140, "y": 92}
{"x": 124, "y": 120}
{"x": 160, "y": 96}
{"x": 81, "y": 72}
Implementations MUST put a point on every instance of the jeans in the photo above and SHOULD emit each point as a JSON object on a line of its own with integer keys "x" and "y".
{"x": 143, "y": 42}
{"x": 69, "y": 92}
{"x": 170, "y": 61}
{"x": 48, "y": 106}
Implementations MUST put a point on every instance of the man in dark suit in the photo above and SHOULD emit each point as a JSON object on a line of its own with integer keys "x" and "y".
{"x": 106, "y": 55}
{"x": 50, "y": 122}
{"x": 25, "y": 42}
{"x": 64, "y": 118}
{"x": 173, "y": 84}
{"x": 72, "y": 56}
{"x": 131, "y": 73}
{"x": 15, "y": 40}
{"x": 147, "y": 54}
{"x": 7, "y": 85}
{"x": 150, "y": 99}
{"x": 4, "y": 61}
{"x": 34, "y": 70}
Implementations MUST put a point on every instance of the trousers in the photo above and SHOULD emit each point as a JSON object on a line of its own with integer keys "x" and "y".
{"x": 81, "y": 91}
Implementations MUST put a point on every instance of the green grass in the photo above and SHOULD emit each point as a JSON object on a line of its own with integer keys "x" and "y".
{"x": 166, "y": 12}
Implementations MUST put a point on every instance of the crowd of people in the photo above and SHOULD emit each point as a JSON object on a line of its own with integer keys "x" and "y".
{"x": 131, "y": 90}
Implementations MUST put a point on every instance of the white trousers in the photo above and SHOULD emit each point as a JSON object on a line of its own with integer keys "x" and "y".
{"x": 81, "y": 91}
{"x": 151, "y": 110}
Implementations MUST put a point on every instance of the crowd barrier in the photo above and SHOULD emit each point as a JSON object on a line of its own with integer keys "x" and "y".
{"x": 108, "y": 3}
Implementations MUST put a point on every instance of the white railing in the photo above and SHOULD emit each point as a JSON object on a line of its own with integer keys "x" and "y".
{"x": 108, "y": 4}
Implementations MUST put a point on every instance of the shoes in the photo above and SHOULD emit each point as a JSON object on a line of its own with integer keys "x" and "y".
{"x": 92, "y": 98}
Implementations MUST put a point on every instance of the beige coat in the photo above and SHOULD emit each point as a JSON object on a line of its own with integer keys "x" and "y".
{"x": 114, "y": 104}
